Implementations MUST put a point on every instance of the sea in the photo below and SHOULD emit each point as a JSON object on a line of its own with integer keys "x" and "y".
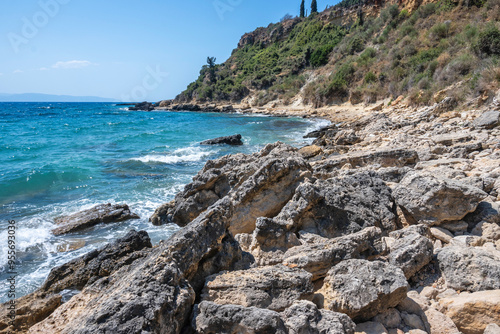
{"x": 60, "y": 158}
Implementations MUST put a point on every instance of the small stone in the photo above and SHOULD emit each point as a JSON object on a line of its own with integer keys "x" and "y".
{"x": 370, "y": 327}
{"x": 441, "y": 234}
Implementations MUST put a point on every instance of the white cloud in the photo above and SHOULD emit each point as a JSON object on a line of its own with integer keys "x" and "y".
{"x": 72, "y": 64}
{"x": 44, "y": 69}
{"x": 17, "y": 71}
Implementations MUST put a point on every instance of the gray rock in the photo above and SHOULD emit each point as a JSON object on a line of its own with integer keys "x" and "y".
{"x": 362, "y": 289}
{"x": 319, "y": 258}
{"x": 340, "y": 206}
{"x": 261, "y": 182}
{"x": 429, "y": 200}
{"x": 470, "y": 268}
{"x": 104, "y": 213}
{"x": 391, "y": 318}
{"x": 488, "y": 120}
{"x": 411, "y": 253}
{"x": 370, "y": 327}
{"x": 304, "y": 318}
{"x": 486, "y": 211}
{"x": 492, "y": 329}
{"x": 209, "y": 318}
{"x": 234, "y": 140}
{"x": 154, "y": 295}
{"x": 272, "y": 287}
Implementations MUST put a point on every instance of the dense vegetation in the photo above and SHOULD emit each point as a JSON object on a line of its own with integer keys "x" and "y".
{"x": 396, "y": 53}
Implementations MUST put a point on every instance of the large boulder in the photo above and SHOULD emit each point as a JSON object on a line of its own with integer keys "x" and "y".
{"x": 431, "y": 201}
{"x": 341, "y": 206}
{"x": 473, "y": 312}
{"x": 304, "y": 317}
{"x": 261, "y": 182}
{"x": 410, "y": 252}
{"x": 470, "y": 268}
{"x": 271, "y": 287}
{"x": 156, "y": 294}
{"x": 318, "y": 258}
{"x": 234, "y": 140}
{"x": 104, "y": 213}
{"x": 209, "y": 318}
{"x": 362, "y": 289}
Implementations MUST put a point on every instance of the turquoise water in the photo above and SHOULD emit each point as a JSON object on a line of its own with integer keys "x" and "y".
{"x": 59, "y": 158}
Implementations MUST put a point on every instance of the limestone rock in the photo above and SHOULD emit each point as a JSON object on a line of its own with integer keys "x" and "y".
{"x": 310, "y": 151}
{"x": 473, "y": 312}
{"x": 488, "y": 120}
{"x": 261, "y": 183}
{"x": 304, "y": 317}
{"x": 492, "y": 329}
{"x": 411, "y": 253}
{"x": 104, "y": 213}
{"x": 429, "y": 200}
{"x": 271, "y": 287}
{"x": 155, "y": 294}
{"x": 470, "y": 268}
{"x": 362, "y": 289}
{"x": 209, "y": 318}
{"x": 319, "y": 258}
{"x": 371, "y": 327}
{"x": 486, "y": 211}
{"x": 339, "y": 206}
{"x": 441, "y": 234}
{"x": 234, "y": 140}
{"x": 439, "y": 322}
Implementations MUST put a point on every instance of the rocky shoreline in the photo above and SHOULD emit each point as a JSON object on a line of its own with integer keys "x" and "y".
{"x": 388, "y": 223}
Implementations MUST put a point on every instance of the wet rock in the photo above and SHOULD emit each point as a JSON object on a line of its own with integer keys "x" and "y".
{"x": 488, "y": 120}
{"x": 410, "y": 252}
{"x": 362, "y": 289}
{"x": 304, "y": 317}
{"x": 99, "y": 263}
{"x": 473, "y": 312}
{"x": 340, "y": 206}
{"x": 143, "y": 106}
{"x": 429, "y": 200}
{"x": 155, "y": 294}
{"x": 470, "y": 268}
{"x": 261, "y": 182}
{"x": 104, "y": 213}
{"x": 271, "y": 287}
{"x": 211, "y": 318}
{"x": 319, "y": 258}
{"x": 234, "y": 140}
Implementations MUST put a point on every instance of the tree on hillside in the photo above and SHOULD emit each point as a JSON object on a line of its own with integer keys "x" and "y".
{"x": 314, "y": 7}
{"x": 211, "y": 68}
{"x": 302, "y": 9}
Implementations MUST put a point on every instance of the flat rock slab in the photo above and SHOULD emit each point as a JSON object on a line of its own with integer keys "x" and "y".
{"x": 488, "y": 120}
{"x": 429, "y": 200}
{"x": 362, "y": 289}
{"x": 470, "y": 268}
{"x": 234, "y": 140}
{"x": 271, "y": 287}
{"x": 104, "y": 213}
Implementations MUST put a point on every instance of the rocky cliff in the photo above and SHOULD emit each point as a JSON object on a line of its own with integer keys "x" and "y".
{"x": 386, "y": 224}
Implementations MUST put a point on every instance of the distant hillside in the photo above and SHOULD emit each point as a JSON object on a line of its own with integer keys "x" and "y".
{"x": 33, "y": 97}
{"x": 363, "y": 51}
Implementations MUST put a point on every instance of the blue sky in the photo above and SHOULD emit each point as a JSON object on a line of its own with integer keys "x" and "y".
{"x": 123, "y": 49}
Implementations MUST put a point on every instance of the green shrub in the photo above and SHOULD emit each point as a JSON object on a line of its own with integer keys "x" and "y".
{"x": 488, "y": 42}
{"x": 356, "y": 44}
{"x": 440, "y": 30}
{"x": 427, "y": 10}
{"x": 320, "y": 56}
{"x": 370, "y": 77}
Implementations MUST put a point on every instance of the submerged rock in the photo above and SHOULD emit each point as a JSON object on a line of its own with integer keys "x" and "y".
{"x": 104, "y": 213}
{"x": 362, "y": 289}
{"x": 234, "y": 140}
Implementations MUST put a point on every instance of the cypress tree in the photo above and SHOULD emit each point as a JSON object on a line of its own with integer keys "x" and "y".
{"x": 302, "y": 9}
{"x": 314, "y": 7}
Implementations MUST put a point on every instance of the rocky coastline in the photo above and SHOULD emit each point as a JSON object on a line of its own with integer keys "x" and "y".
{"x": 388, "y": 223}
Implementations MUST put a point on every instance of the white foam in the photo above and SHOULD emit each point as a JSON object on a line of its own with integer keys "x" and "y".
{"x": 187, "y": 154}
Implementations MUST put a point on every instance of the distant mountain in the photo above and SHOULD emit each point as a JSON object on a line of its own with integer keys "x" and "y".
{"x": 34, "y": 97}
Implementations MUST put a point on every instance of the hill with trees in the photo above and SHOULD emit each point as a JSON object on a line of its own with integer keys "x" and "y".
{"x": 362, "y": 51}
